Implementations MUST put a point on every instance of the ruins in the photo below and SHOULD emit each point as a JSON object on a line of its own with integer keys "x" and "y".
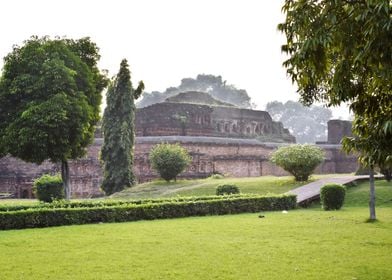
{"x": 220, "y": 138}
{"x": 187, "y": 114}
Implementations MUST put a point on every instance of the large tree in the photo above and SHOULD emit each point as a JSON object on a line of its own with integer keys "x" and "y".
{"x": 307, "y": 124}
{"x": 119, "y": 132}
{"x": 341, "y": 51}
{"x": 50, "y": 93}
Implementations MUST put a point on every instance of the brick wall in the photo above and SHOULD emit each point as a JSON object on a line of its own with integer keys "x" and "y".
{"x": 233, "y": 157}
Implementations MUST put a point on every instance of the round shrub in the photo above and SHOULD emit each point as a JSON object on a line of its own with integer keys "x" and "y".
{"x": 48, "y": 188}
{"x": 332, "y": 196}
{"x": 227, "y": 189}
{"x": 299, "y": 160}
{"x": 169, "y": 160}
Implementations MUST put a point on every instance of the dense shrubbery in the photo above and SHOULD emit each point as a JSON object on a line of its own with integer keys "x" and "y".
{"x": 48, "y": 188}
{"x": 45, "y": 217}
{"x": 299, "y": 160}
{"x": 108, "y": 203}
{"x": 227, "y": 189}
{"x": 169, "y": 160}
{"x": 332, "y": 196}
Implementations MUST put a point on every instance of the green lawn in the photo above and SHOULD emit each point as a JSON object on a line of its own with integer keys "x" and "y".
{"x": 199, "y": 187}
{"x": 302, "y": 244}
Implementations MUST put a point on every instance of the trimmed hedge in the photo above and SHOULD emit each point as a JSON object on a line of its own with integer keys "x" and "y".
{"x": 45, "y": 217}
{"x": 332, "y": 196}
{"x": 103, "y": 203}
{"x": 227, "y": 190}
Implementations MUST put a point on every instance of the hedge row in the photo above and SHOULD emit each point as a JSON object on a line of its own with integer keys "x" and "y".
{"x": 32, "y": 218}
{"x": 103, "y": 203}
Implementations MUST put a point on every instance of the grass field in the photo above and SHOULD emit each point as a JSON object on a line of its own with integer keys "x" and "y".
{"x": 258, "y": 185}
{"x": 302, "y": 244}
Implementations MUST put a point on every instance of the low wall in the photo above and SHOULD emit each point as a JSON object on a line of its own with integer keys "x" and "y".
{"x": 232, "y": 157}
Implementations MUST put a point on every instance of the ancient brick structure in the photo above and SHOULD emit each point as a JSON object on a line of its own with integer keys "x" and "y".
{"x": 174, "y": 117}
{"x": 236, "y": 152}
{"x": 337, "y": 129}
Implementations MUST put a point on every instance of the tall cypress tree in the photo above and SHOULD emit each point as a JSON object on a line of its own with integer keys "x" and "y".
{"x": 119, "y": 132}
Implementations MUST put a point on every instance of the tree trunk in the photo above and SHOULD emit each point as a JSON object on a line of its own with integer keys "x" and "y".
{"x": 372, "y": 200}
{"x": 65, "y": 178}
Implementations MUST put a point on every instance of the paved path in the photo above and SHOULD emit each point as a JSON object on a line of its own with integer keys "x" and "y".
{"x": 311, "y": 191}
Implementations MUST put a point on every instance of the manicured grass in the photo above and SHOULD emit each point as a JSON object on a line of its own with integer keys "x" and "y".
{"x": 302, "y": 244}
{"x": 13, "y": 201}
{"x": 258, "y": 185}
{"x": 359, "y": 196}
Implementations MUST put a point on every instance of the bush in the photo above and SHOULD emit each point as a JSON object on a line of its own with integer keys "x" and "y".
{"x": 332, "y": 196}
{"x": 109, "y": 203}
{"x": 169, "y": 160}
{"x": 227, "y": 189}
{"x": 48, "y": 188}
{"x": 45, "y": 217}
{"x": 299, "y": 160}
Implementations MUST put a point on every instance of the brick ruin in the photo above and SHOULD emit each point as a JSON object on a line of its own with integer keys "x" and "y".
{"x": 220, "y": 139}
{"x": 174, "y": 117}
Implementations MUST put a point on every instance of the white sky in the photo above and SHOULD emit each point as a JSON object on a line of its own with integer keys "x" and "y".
{"x": 167, "y": 40}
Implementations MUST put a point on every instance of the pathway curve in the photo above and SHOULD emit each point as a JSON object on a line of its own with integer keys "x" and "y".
{"x": 311, "y": 191}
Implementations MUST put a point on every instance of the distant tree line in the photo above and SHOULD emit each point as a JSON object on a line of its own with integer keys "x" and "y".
{"x": 307, "y": 124}
{"x": 214, "y": 85}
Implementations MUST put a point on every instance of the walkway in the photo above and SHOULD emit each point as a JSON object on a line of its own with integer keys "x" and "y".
{"x": 311, "y": 191}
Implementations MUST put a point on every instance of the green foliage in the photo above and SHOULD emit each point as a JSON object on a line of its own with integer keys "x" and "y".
{"x": 48, "y": 188}
{"x": 50, "y": 94}
{"x": 119, "y": 132}
{"x": 169, "y": 160}
{"x": 57, "y": 204}
{"x": 227, "y": 189}
{"x": 304, "y": 232}
{"x": 49, "y": 99}
{"x": 307, "y": 124}
{"x": 31, "y": 218}
{"x": 299, "y": 160}
{"x": 332, "y": 196}
{"x": 339, "y": 51}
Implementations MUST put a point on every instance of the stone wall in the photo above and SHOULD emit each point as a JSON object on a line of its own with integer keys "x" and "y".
{"x": 232, "y": 157}
{"x": 164, "y": 119}
{"x": 337, "y": 129}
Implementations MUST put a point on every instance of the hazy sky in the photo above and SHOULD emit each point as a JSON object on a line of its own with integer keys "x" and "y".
{"x": 165, "y": 41}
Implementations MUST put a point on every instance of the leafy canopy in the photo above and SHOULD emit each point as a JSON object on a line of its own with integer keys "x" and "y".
{"x": 340, "y": 51}
{"x": 119, "y": 132}
{"x": 169, "y": 160}
{"x": 50, "y": 92}
{"x": 298, "y": 160}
